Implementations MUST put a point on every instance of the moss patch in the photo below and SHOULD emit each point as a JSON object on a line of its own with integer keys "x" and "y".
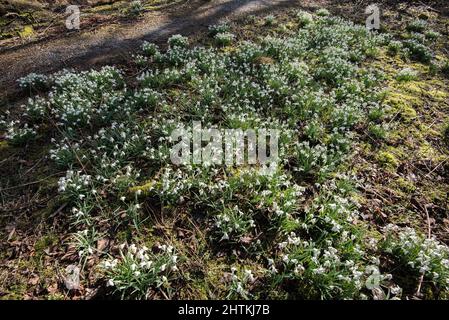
{"x": 27, "y": 32}
{"x": 403, "y": 104}
{"x": 387, "y": 159}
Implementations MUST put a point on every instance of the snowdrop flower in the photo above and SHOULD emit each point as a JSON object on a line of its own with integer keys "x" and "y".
{"x": 249, "y": 274}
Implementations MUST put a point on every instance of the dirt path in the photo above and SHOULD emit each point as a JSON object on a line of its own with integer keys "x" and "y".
{"x": 112, "y": 43}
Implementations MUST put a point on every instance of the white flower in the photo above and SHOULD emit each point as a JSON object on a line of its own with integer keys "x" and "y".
{"x": 225, "y": 237}
{"x": 250, "y": 275}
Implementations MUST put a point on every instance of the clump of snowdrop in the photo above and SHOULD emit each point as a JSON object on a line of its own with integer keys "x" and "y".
{"x": 75, "y": 185}
{"x": 417, "y": 25}
{"x": 426, "y": 256}
{"x": 78, "y": 99}
{"x": 319, "y": 160}
{"x": 325, "y": 271}
{"x": 304, "y": 18}
{"x": 65, "y": 153}
{"x": 36, "y": 108}
{"x": 432, "y": 35}
{"x": 85, "y": 241}
{"x": 241, "y": 282}
{"x": 325, "y": 252}
{"x": 335, "y": 66}
{"x": 34, "y": 81}
{"x": 218, "y": 28}
{"x": 224, "y": 38}
{"x": 233, "y": 224}
{"x": 418, "y": 51}
{"x": 140, "y": 60}
{"x": 178, "y": 40}
{"x": 19, "y": 134}
{"x": 139, "y": 270}
{"x": 158, "y": 79}
{"x": 270, "y": 20}
{"x": 149, "y": 49}
{"x": 147, "y": 99}
{"x": 322, "y": 12}
{"x": 394, "y": 47}
{"x": 407, "y": 74}
{"x": 135, "y": 8}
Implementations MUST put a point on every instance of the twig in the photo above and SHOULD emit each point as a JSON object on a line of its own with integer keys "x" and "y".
{"x": 429, "y": 235}
{"x": 429, "y": 230}
{"x": 428, "y": 174}
{"x": 59, "y": 210}
{"x": 34, "y": 166}
{"x": 30, "y": 183}
{"x": 428, "y": 7}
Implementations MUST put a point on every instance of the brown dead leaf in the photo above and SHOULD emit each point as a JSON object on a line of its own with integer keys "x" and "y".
{"x": 246, "y": 240}
{"x": 11, "y": 233}
{"x": 102, "y": 244}
{"x": 52, "y": 288}
{"x": 34, "y": 280}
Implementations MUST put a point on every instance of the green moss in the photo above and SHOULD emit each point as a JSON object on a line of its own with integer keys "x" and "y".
{"x": 387, "y": 159}
{"x": 3, "y": 145}
{"x": 412, "y": 87}
{"x": 145, "y": 188}
{"x": 15, "y": 292}
{"x": 123, "y": 236}
{"x": 433, "y": 89}
{"x": 45, "y": 242}
{"x": 207, "y": 281}
{"x": 436, "y": 194}
{"x": 403, "y": 104}
{"x": 405, "y": 185}
{"x": 27, "y": 31}
{"x": 428, "y": 152}
{"x": 438, "y": 95}
{"x": 422, "y": 132}
{"x": 406, "y": 112}
{"x": 56, "y": 296}
{"x": 446, "y": 132}
{"x": 377, "y": 132}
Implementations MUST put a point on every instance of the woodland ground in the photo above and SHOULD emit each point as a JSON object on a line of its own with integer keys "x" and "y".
{"x": 397, "y": 163}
